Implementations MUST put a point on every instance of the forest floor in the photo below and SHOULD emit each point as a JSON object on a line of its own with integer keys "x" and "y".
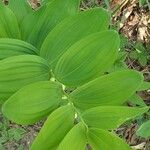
{"x": 133, "y": 24}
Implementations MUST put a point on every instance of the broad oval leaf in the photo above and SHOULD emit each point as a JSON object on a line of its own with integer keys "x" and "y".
{"x": 46, "y": 19}
{"x": 18, "y": 71}
{"x": 12, "y": 47}
{"x": 8, "y": 23}
{"x": 29, "y": 22}
{"x": 72, "y": 30}
{"x": 20, "y": 8}
{"x": 88, "y": 58}
{"x": 75, "y": 139}
{"x": 55, "y": 128}
{"x": 110, "y": 117}
{"x": 33, "y": 102}
{"x": 144, "y": 130}
{"x": 111, "y": 89}
{"x": 101, "y": 139}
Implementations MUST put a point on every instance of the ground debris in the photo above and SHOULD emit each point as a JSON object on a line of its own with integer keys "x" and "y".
{"x": 134, "y": 21}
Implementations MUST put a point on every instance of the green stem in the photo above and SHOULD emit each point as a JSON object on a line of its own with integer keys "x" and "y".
{"x": 76, "y": 111}
{"x": 70, "y": 102}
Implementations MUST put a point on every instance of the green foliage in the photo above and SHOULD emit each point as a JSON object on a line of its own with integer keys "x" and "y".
{"x": 89, "y": 3}
{"x": 13, "y": 47}
{"x": 75, "y": 67}
{"x": 18, "y": 71}
{"x": 145, "y": 86}
{"x": 110, "y": 117}
{"x": 94, "y": 3}
{"x": 141, "y": 54}
{"x": 120, "y": 63}
{"x": 9, "y": 26}
{"x": 76, "y": 137}
{"x": 77, "y": 49}
{"x": 15, "y": 133}
{"x": 20, "y": 8}
{"x": 55, "y": 128}
{"x": 37, "y": 26}
{"x": 80, "y": 26}
{"x": 9, "y": 133}
{"x": 101, "y": 90}
{"x": 99, "y": 139}
{"x": 144, "y": 2}
{"x": 25, "y": 100}
{"x": 144, "y": 130}
{"x": 136, "y": 100}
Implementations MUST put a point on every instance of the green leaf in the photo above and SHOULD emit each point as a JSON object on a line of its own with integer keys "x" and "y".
{"x": 20, "y": 8}
{"x": 145, "y": 86}
{"x": 139, "y": 47}
{"x": 46, "y": 1}
{"x": 16, "y": 134}
{"x": 137, "y": 100}
{"x": 107, "y": 3}
{"x": 44, "y": 21}
{"x": 123, "y": 40}
{"x": 33, "y": 102}
{"x": 143, "y": 60}
{"x": 120, "y": 63}
{"x": 8, "y": 23}
{"x": 111, "y": 117}
{"x": 13, "y": 47}
{"x": 121, "y": 56}
{"x": 71, "y": 30}
{"x": 142, "y": 2}
{"x": 42, "y": 3}
{"x": 75, "y": 139}
{"x": 118, "y": 66}
{"x": 134, "y": 55}
{"x": 29, "y": 22}
{"x": 101, "y": 139}
{"x": 111, "y": 89}
{"x": 144, "y": 130}
{"x": 18, "y": 71}
{"x": 88, "y": 58}
{"x": 55, "y": 128}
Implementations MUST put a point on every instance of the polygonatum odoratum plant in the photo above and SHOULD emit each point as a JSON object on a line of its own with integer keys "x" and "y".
{"x": 53, "y": 66}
